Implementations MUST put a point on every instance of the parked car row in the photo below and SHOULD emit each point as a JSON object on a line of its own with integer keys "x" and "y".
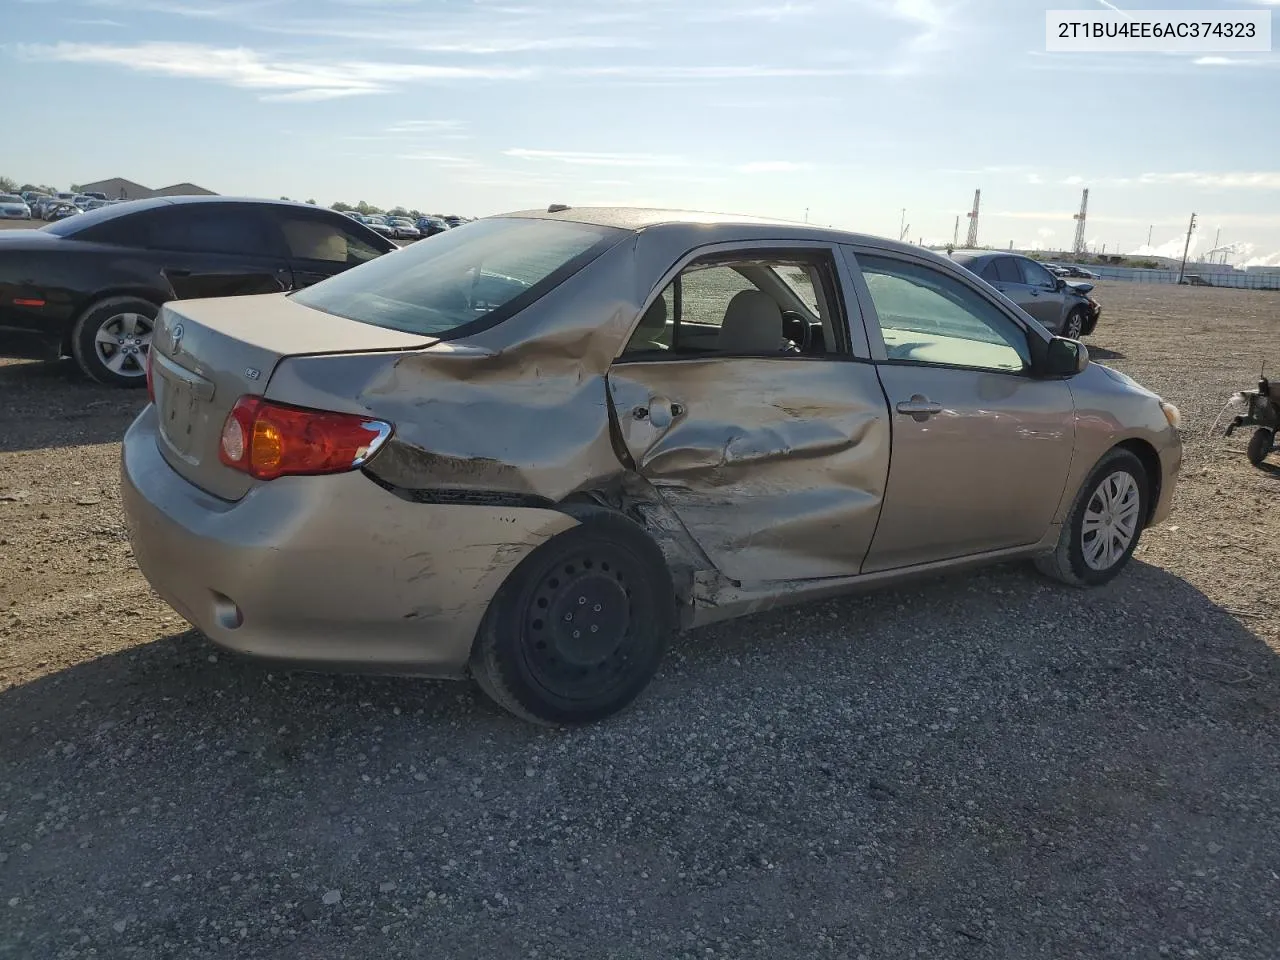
{"x": 40, "y": 206}
{"x": 1069, "y": 270}
{"x": 406, "y": 228}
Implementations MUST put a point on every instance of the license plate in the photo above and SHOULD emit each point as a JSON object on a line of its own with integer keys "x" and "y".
{"x": 178, "y": 412}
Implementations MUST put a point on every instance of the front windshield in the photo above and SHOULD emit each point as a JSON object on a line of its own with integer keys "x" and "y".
{"x": 486, "y": 271}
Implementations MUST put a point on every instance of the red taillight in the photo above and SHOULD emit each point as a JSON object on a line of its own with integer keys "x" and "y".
{"x": 151, "y": 383}
{"x": 268, "y": 440}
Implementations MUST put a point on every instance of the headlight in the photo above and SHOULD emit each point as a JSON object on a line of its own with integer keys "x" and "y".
{"x": 1172, "y": 415}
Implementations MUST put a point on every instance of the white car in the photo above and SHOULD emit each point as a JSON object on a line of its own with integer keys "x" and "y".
{"x": 13, "y": 207}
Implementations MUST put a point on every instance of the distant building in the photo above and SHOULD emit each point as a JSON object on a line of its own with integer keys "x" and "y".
{"x": 118, "y": 188}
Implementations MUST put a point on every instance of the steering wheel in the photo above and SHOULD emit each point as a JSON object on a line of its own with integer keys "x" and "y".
{"x": 794, "y": 322}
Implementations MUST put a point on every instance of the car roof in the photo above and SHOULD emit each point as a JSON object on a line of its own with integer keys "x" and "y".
{"x": 970, "y": 254}
{"x": 636, "y": 219}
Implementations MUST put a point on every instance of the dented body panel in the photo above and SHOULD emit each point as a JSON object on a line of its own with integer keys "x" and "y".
{"x": 776, "y": 467}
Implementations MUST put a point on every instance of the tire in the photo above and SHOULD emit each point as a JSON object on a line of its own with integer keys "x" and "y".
{"x": 1260, "y": 444}
{"x": 604, "y": 573}
{"x": 1076, "y": 560}
{"x": 111, "y": 339}
{"x": 1073, "y": 326}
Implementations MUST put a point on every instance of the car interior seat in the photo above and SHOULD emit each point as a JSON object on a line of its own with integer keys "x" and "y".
{"x": 652, "y": 326}
{"x": 753, "y": 325}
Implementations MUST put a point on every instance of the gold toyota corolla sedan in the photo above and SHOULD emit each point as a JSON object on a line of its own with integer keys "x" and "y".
{"x": 529, "y": 449}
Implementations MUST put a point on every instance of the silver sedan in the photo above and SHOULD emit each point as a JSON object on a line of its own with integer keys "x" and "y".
{"x": 529, "y": 450}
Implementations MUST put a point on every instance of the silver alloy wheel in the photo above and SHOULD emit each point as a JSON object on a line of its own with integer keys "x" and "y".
{"x": 1074, "y": 327}
{"x": 1110, "y": 521}
{"x": 122, "y": 342}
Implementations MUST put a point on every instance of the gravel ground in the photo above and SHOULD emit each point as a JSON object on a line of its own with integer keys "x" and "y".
{"x": 981, "y": 766}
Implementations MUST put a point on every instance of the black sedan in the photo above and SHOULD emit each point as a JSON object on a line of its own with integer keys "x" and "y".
{"x": 90, "y": 286}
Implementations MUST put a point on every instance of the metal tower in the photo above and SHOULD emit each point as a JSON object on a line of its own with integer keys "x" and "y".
{"x": 972, "y": 241}
{"x": 1078, "y": 246}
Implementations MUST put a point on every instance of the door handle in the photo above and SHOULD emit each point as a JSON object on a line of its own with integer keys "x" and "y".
{"x": 660, "y": 412}
{"x": 919, "y": 408}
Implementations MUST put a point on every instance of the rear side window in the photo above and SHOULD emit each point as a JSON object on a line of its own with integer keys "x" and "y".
{"x": 1007, "y": 270}
{"x": 314, "y": 238}
{"x": 201, "y": 229}
{"x": 463, "y": 280}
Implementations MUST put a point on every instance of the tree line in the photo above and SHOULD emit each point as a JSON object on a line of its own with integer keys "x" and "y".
{"x": 10, "y": 185}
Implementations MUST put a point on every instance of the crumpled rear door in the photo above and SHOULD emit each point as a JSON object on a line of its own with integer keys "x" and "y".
{"x": 777, "y": 468}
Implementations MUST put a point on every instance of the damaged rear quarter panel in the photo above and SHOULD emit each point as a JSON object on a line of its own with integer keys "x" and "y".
{"x": 520, "y": 408}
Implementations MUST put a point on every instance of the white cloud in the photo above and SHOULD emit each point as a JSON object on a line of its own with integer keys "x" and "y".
{"x": 771, "y": 166}
{"x": 278, "y": 79}
{"x": 713, "y": 72}
{"x": 597, "y": 159}
{"x": 1235, "y": 62}
{"x": 1035, "y": 179}
{"x": 442, "y": 160}
{"x": 1073, "y": 181}
{"x": 315, "y": 94}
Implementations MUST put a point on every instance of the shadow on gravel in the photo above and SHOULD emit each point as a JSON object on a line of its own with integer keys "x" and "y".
{"x": 985, "y": 762}
{"x": 51, "y": 404}
{"x": 1102, "y": 353}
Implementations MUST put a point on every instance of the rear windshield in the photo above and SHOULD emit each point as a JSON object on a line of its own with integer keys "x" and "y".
{"x": 463, "y": 280}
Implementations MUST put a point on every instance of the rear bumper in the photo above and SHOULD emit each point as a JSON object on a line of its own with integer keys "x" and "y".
{"x": 323, "y": 572}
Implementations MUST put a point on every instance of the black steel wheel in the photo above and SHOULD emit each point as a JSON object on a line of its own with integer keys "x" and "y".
{"x": 1260, "y": 444}
{"x": 578, "y": 629}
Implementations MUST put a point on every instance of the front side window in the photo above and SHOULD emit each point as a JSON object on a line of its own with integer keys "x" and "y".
{"x": 314, "y": 238}
{"x": 479, "y": 275}
{"x": 760, "y": 305}
{"x": 929, "y": 317}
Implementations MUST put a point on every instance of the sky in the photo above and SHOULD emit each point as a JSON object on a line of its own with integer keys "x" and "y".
{"x": 847, "y": 112}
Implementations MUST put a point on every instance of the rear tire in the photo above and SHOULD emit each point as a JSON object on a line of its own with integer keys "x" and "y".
{"x": 578, "y": 629}
{"x": 1073, "y": 328}
{"x": 1260, "y": 444}
{"x": 112, "y": 338}
{"x": 1104, "y": 525}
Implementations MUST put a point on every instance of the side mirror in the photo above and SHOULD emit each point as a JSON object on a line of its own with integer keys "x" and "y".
{"x": 1065, "y": 358}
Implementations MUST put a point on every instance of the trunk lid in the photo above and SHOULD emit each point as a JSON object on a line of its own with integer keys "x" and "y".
{"x": 206, "y": 354}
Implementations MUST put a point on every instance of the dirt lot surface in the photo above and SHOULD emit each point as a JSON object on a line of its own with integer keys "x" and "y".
{"x": 983, "y": 766}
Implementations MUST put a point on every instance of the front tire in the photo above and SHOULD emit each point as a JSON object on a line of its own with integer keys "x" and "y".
{"x": 1260, "y": 444}
{"x": 112, "y": 338}
{"x": 1104, "y": 525}
{"x": 578, "y": 629}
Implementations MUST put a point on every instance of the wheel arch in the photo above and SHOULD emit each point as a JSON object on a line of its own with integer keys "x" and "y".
{"x": 1150, "y": 460}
